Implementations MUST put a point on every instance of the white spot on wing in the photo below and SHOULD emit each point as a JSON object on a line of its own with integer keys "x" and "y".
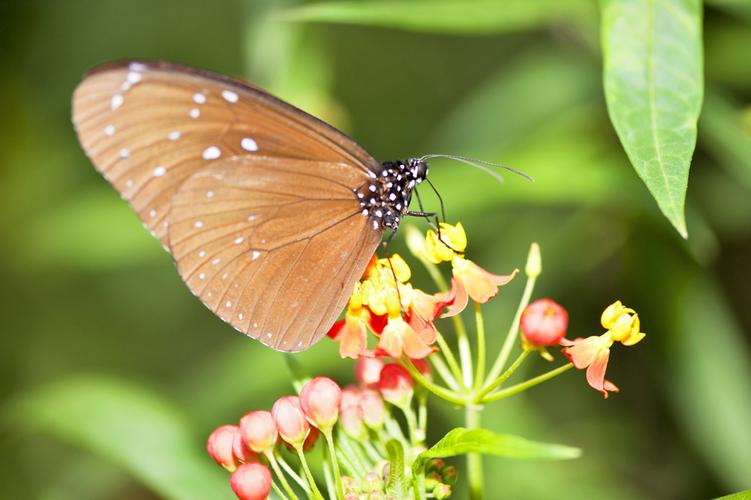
{"x": 152, "y": 213}
{"x": 198, "y": 224}
{"x": 175, "y": 135}
{"x": 228, "y": 304}
{"x": 116, "y": 102}
{"x": 229, "y": 96}
{"x": 124, "y": 153}
{"x": 202, "y": 276}
{"x": 212, "y": 153}
{"x": 209, "y": 194}
{"x": 249, "y": 144}
{"x": 216, "y": 261}
{"x": 135, "y": 66}
{"x": 195, "y": 113}
{"x": 255, "y": 255}
{"x": 199, "y": 98}
{"x": 129, "y": 183}
{"x": 239, "y": 240}
{"x": 159, "y": 171}
{"x": 202, "y": 253}
{"x": 134, "y": 77}
{"x": 109, "y": 130}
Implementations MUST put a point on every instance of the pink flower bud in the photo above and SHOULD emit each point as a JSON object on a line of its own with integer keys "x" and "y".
{"x": 320, "y": 399}
{"x": 258, "y": 431}
{"x": 543, "y": 323}
{"x": 309, "y": 443}
{"x": 290, "y": 420}
{"x": 350, "y": 397}
{"x": 368, "y": 371}
{"x": 251, "y": 482}
{"x": 241, "y": 451}
{"x": 350, "y": 418}
{"x": 395, "y": 385}
{"x": 373, "y": 409}
{"x": 219, "y": 446}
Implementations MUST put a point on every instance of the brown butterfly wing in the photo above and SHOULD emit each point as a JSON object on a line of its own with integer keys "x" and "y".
{"x": 275, "y": 250}
{"x": 148, "y": 127}
{"x": 253, "y": 197}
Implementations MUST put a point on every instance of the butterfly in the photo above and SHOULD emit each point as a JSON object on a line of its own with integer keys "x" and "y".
{"x": 270, "y": 214}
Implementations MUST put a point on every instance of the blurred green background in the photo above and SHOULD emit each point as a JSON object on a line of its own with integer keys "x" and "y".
{"x": 112, "y": 374}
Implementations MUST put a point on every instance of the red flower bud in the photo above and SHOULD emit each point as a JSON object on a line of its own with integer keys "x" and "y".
{"x": 251, "y": 482}
{"x": 320, "y": 399}
{"x": 258, "y": 431}
{"x": 543, "y": 323}
{"x": 373, "y": 409}
{"x": 368, "y": 371}
{"x": 395, "y": 384}
{"x": 219, "y": 446}
{"x": 290, "y": 420}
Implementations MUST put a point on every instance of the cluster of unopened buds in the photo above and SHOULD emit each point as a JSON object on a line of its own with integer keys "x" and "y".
{"x": 369, "y": 454}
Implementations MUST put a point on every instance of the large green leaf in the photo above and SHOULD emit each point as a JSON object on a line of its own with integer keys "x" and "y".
{"x": 443, "y": 16}
{"x": 129, "y": 426}
{"x": 653, "y": 87}
{"x": 460, "y": 441}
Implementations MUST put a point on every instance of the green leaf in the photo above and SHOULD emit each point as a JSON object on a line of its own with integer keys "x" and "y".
{"x": 741, "y": 495}
{"x": 130, "y": 427}
{"x": 460, "y": 441}
{"x": 397, "y": 483}
{"x": 653, "y": 87}
{"x": 443, "y": 16}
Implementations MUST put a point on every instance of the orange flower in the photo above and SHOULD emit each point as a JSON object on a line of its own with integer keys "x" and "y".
{"x": 399, "y": 338}
{"x": 593, "y": 352}
{"x": 480, "y": 284}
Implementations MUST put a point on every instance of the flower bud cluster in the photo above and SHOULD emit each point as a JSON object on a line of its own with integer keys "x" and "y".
{"x": 357, "y": 417}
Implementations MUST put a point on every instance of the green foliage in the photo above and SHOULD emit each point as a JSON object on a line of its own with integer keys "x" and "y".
{"x": 128, "y": 425}
{"x": 460, "y": 441}
{"x": 654, "y": 85}
{"x": 442, "y": 16}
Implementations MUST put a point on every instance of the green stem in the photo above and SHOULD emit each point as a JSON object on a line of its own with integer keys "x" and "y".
{"x": 409, "y": 414}
{"x": 449, "y": 354}
{"x": 330, "y": 487}
{"x": 442, "y": 369}
{"x": 422, "y": 413}
{"x": 275, "y": 465}
{"x": 465, "y": 352}
{"x": 355, "y": 455}
{"x": 371, "y": 451}
{"x": 439, "y": 391}
{"x": 278, "y": 491}
{"x": 508, "y": 344}
{"x": 500, "y": 380}
{"x": 515, "y": 389}
{"x": 418, "y": 485}
{"x": 312, "y": 482}
{"x": 296, "y": 477}
{"x": 480, "y": 326}
{"x": 474, "y": 460}
{"x": 334, "y": 463}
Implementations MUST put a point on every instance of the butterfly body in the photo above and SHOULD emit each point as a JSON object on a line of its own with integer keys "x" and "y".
{"x": 270, "y": 214}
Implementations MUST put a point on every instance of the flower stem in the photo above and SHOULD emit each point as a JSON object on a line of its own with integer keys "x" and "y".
{"x": 294, "y": 475}
{"x": 334, "y": 463}
{"x": 497, "y": 382}
{"x": 508, "y": 344}
{"x": 465, "y": 352}
{"x": 312, "y": 482}
{"x": 330, "y": 487}
{"x": 278, "y": 491}
{"x": 474, "y": 460}
{"x": 275, "y": 465}
{"x": 515, "y": 389}
{"x": 449, "y": 354}
{"x": 480, "y": 326}
{"x": 439, "y": 391}
{"x": 409, "y": 415}
{"x": 440, "y": 367}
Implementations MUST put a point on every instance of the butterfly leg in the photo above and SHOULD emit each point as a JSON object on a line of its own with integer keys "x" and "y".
{"x": 434, "y": 224}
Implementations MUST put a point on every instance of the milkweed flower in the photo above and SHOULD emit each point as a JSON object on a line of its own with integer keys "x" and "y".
{"x": 593, "y": 353}
{"x": 220, "y": 446}
{"x": 396, "y": 385}
{"x": 258, "y": 431}
{"x": 290, "y": 420}
{"x": 468, "y": 279}
{"x": 251, "y": 482}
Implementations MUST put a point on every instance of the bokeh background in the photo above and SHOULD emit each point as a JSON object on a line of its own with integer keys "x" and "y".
{"x": 98, "y": 332}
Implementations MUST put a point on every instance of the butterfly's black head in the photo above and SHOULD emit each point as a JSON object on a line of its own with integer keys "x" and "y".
{"x": 385, "y": 199}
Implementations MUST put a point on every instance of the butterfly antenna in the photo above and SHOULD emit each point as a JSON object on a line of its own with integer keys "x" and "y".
{"x": 482, "y": 165}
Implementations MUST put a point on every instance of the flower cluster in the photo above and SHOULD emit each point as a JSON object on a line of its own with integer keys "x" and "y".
{"x": 401, "y": 316}
{"x": 356, "y": 422}
{"x": 375, "y": 431}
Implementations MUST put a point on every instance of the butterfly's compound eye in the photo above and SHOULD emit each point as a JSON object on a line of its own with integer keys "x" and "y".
{"x": 419, "y": 170}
